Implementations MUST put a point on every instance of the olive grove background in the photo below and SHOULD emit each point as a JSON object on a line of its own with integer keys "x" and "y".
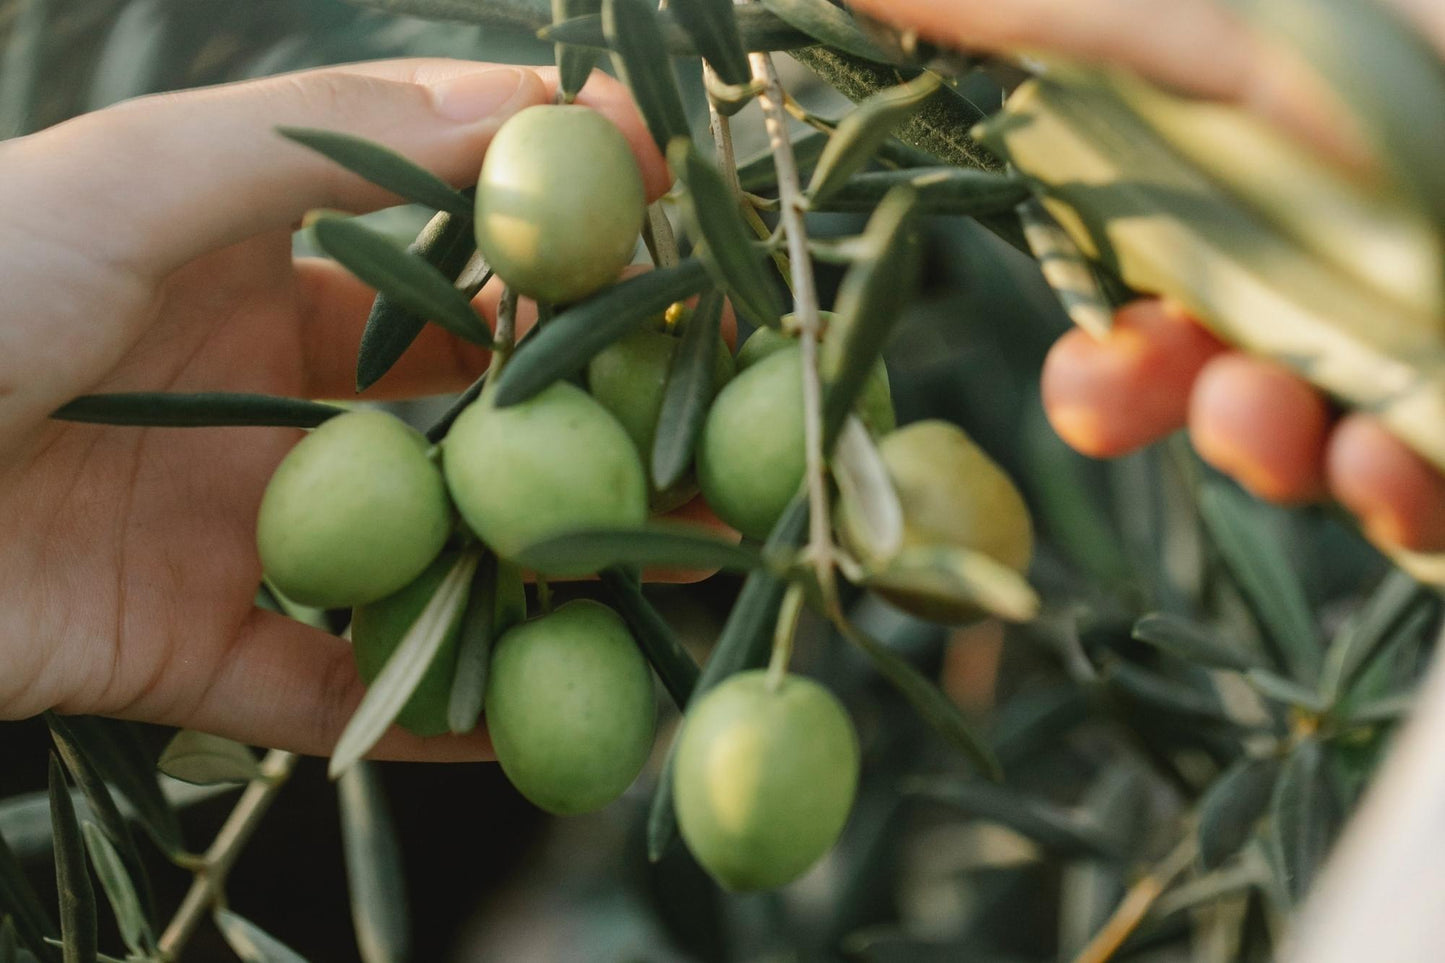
{"x": 1110, "y": 745}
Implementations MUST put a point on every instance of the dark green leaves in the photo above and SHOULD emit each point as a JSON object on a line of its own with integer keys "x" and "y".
{"x": 658, "y": 544}
{"x": 203, "y": 759}
{"x": 863, "y": 131}
{"x": 1191, "y": 642}
{"x": 1304, "y": 814}
{"x": 204, "y": 410}
{"x": 519, "y": 14}
{"x": 251, "y": 943}
{"x": 72, "y": 875}
{"x": 1232, "y": 806}
{"x": 574, "y": 63}
{"x": 758, "y": 29}
{"x": 114, "y": 749}
{"x": 655, "y": 637}
{"x": 382, "y": 166}
{"x": 402, "y": 276}
{"x": 634, "y": 36}
{"x": 940, "y": 190}
{"x": 375, "y": 876}
{"x": 826, "y": 23}
{"x": 566, "y": 343}
{"x": 447, "y": 243}
{"x": 724, "y": 244}
{"x": 1061, "y": 830}
{"x": 22, "y": 904}
{"x": 1371, "y": 629}
{"x": 713, "y": 27}
{"x": 687, "y": 394}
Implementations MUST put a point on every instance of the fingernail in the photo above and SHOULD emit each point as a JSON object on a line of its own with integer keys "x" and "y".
{"x": 476, "y": 96}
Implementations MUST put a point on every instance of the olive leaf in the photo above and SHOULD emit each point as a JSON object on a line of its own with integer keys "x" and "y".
{"x": 724, "y": 243}
{"x": 870, "y": 301}
{"x": 1390, "y": 708}
{"x": 375, "y": 875}
{"x": 402, "y": 276}
{"x": 1370, "y": 629}
{"x": 19, "y": 900}
{"x": 827, "y": 24}
{"x": 687, "y": 393}
{"x": 72, "y": 874}
{"x": 1191, "y": 642}
{"x": 865, "y": 485}
{"x": 447, "y": 242}
{"x": 439, "y": 428}
{"x": 744, "y": 643}
{"x": 1160, "y": 692}
{"x": 660, "y": 543}
{"x": 158, "y": 409}
{"x": 959, "y": 576}
{"x": 496, "y": 602}
{"x": 202, "y": 759}
{"x": 574, "y": 63}
{"x": 251, "y": 943}
{"x": 1035, "y": 720}
{"x": 935, "y": 708}
{"x": 1232, "y": 806}
{"x": 758, "y": 29}
{"x": 383, "y": 167}
{"x": 565, "y": 344}
{"x": 669, "y": 659}
{"x": 713, "y": 27}
{"x": 394, "y": 685}
{"x": 1063, "y": 831}
{"x": 135, "y": 929}
{"x": 519, "y": 14}
{"x": 1285, "y": 691}
{"x": 939, "y": 190}
{"x": 863, "y": 131}
{"x": 1068, "y": 272}
{"x": 1304, "y": 813}
{"x": 634, "y": 36}
{"x": 760, "y": 171}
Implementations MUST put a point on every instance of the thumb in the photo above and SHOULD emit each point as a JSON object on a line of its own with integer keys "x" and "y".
{"x": 175, "y": 175}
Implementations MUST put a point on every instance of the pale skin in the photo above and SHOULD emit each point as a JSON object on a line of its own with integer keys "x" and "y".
{"x": 148, "y": 248}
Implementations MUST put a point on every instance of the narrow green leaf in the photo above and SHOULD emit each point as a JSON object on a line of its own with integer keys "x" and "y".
{"x": 958, "y": 576}
{"x": 1285, "y": 691}
{"x": 1390, "y": 708}
{"x": 870, "y": 301}
{"x": 375, "y": 876}
{"x": 687, "y": 394}
{"x": 827, "y": 24}
{"x": 745, "y": 642}
{"x": 116, "y": 751}
{"x": 203, "y": 759}
{"x": 383, "y": 167}
{"x": 660, "y": 543}
{"x": 402, "y": 276}
{"x": 1069, "y": 273}
{"x": 496, "y": 602}
{"x": 634, "y": 36}
{"x": 1370, "y": 630}
{"x": 929, "y": 702}
{"x": 567, "y": 342}
{"x": 865, "y": 486}
{"x": 251, "y": 943}
{"x": 1062, "y": 831}
{"x": 724, "y": 242}
{"x": 1191, "y": 642}
{"x": 518, "y": 14}
{"x": 670, "y": 660}
{"x": 574, "y": 63}
{"x": 135, "y": 929}
{"x": 713, "y": 27}
{"x": 863, "y": 131}
{"x": 1164, "y": 694}
{"x": 391, "y": 689}
{"x": 1265, "y": 577}
{"x": 940, "y": 190}
{"x": 1304, "y": 815}
{"x": 72, "y": 875}
{"x": 212, "y": 409}
{"x": 19, "y": 900}
{"x": 438, "y": 429}
{"x": 760, "y": 171}
{"x": 1035, "y": 720}
{"x": 1232, "y": 806}
{"x": 447, "y": 243}
{"x": 758, "y": 29}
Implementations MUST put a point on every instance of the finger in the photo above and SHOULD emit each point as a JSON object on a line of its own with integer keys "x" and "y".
{"x": 285, "y": 685}
{"x": 1398, "y": 496}
{"x": 1111, "y": 396}
{"x": 1258, "y": 422}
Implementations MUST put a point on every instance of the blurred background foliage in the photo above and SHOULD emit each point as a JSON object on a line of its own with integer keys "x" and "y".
{"x": 1196, "y": 759}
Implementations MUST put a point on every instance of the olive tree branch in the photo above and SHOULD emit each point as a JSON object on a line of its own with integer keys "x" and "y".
{"x": 1138, "y": 901}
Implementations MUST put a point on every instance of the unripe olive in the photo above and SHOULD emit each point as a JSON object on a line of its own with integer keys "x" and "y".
{"x": 555, "y": 463}
{"x": 378, "y": 628}
{"x": 628, "y": 378}
{"x": 353, "y": 512}
{"x": 750, "y": 454}
{"x": 559, "y": 202}
{"x": 951, "y": 493}
{"x": 764, "y": 778}
{"x": 570, "y": 708}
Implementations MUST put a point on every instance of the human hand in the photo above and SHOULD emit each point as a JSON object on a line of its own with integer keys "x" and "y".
{"x": 1158, "y": 371}
{"x": 149, "y": 249}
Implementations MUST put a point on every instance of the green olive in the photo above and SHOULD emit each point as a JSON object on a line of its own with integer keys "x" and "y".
{"x": 570, "y": 708}
{"x": 378, "y": 628}
{"x": 764, "y": 778}
{"x": 750, "y": 454}
{"x": 951, "y": 493}
{"x": 559, "y": 202}
{"x": 628, "y": 378}
{"x": 353, "y": 512}
{"x": 556, "y": 463}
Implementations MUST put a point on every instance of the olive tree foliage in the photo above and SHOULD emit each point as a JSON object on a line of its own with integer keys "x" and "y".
{"x": 1194, "y": 689}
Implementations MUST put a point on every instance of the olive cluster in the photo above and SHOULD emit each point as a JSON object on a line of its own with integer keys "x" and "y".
{"x": 364, "y": 514}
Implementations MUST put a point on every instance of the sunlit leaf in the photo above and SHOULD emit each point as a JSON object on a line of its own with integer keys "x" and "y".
{"x": 863, "y": 131}
{"x": 663, "y": 544}
{"x": 827, "y": 24}
{"x": 202, "y": 410}
{"x": 758, "y": 29}
{"x": 958, "y": 576}
{"x": 383, "y": 167}
{"x": 116, "y": 751}
{"x": 202, "y": 759}
{"x": 375, "y": 876}
{"x": 1060, "y": 830}
{"x": 634, "y": 36}
{"x": 135, "y": 929}
{"x": 713, "y": 27}
{"x": 1066, "y": 269}
{"x": 1191, "y": 642}
{"x": 72, "y": 874}
{"x": 251, "y": 943}
{"x": 689, "y": 390}
{"x": 1304, "y": 813}
{"x": 669, "y": 659}
{"x": 1230, "y": 808}
{"x": 875, "y": 514}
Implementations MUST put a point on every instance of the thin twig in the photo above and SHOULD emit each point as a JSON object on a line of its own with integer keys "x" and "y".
{"x": 1137, "y": 902}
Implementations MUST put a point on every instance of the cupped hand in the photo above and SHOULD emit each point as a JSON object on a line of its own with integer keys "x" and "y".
{"x": 148, "y": 248}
